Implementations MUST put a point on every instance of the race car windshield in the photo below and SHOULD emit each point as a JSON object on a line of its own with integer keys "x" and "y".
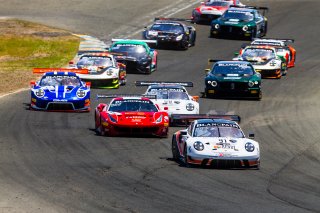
{"x": 167, "y": 94}
{"x": 251, "y": 53}
{"x": 218, "y": 3}
{"x": 94, "y": 61}
{"x": 173, "y": 28}
{"x": 232, "y": 68}
{"x": 60, "y": 80}
{"x": 130, "y": 49}
{"x": 237, "y": 15}
{"x": 132, "y": 105}
{"x": 218, "y": 131}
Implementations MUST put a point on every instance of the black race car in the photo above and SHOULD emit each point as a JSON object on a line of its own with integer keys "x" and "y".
{"x": 171, "y": 32}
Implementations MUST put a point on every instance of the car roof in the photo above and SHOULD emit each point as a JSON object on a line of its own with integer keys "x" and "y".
{"x": 166, "y": 86}
{"x": 218, "y": 121}
{"x": 232, "y": 62}
{"x": 135, "y": 42}
{"x": 242, "y": 9}
{"x": 60, "y": 74}
{"x": 169, "y": 22}
{"x": 270, "y": 47}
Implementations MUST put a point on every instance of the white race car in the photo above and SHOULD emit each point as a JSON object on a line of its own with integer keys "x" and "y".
{"x": 104, "y": 70}
{"x": 172, "y": 96}
{"x": 219, "y": 143}
{"x": 264, "y": 60}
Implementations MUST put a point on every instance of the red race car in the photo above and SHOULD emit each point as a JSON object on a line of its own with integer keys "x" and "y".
{"x": 130, "y": 115}
{"x": 211, "y": 9}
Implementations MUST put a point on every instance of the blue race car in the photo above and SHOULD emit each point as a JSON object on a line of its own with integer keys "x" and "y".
{"x": 60, "y": 90}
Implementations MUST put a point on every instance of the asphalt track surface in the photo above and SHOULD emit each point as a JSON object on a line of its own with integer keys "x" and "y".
{"x": 54, "y": 162}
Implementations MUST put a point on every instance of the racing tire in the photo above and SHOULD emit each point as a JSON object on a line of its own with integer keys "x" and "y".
{"x": 174, "y": 149}
{"x": 257, "y": 167}
{"x": 253, "y": 34}
{"x": 259, "y": 96}
{"x": 156, "y": 65}
{"x": 194, "y": 39}
{"x": 99, "y": 130}
{"x": 265, "y": 29}
{"x": 185, "y": 157}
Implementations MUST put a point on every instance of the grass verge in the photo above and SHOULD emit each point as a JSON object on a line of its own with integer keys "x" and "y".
{"x": 25, "y": 45}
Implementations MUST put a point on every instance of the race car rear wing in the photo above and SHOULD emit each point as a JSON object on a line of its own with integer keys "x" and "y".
{"x": 149, "y": 83}
{"x": 185, "y": 119}
{"x": 124, "y": 39}
{"x": 102, "y": 52}
{"x": 276, "y": 39}
{"x": 45, "y": 70}
{"x": 171, "y": 19}
{"x": 99, "y": 96}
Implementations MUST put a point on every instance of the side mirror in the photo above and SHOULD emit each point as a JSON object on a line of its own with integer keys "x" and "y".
{"x": 251, "y": 135}
{"x": 101, "y": 106}
{"x": 183, "y": 133}
{"x": 32, "y": 84}
{"x": 207, "y": 71}
{"x": 195, "y": 98}
{"x": 157, "y": 106}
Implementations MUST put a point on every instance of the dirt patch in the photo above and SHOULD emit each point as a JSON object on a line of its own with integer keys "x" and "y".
{"x": 26, "y": 45}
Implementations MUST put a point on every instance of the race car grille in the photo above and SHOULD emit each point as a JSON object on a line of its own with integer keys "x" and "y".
{"x": 233, "y": 86}
{"x": 231, "y": 29}
{"x": 136, "y": 130}
{"x": 218, "y": 163}
{"x": 60, "y": 106}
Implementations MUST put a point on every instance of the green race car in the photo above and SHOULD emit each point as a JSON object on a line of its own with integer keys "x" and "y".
{"x": 232, "y": 79}
{"x": 137, "y": 55}
{"x": 244, "y": 22}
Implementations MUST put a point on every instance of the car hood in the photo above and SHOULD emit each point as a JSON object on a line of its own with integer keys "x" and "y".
{"x": 127, "y": 118}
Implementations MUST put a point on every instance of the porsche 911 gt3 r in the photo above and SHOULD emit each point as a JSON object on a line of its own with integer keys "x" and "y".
{"x": 172, "y": 96}
{"x": 104, "y": 70}
{"x": 215, "y": 142}
{"x": 264, "y": 60}
{"x": 60, "y": 89}
{"x": 282, "y": 47}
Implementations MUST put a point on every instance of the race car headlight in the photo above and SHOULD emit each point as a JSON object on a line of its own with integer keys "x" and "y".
{"x": 179, "y": 37}
{"x": 39, "y": 93}
{"x": 273, "y": 63}
{"x": 198, "y": 145}
{"x": 249, "y": 147}
{"x": 250, "y": 83}
{"x": 216, "y": 26}
{"x": 213, "y": 83}
{"x": 159, "y": 119}
{"x": 81, "y": 93}
{"x": 109, "y": 72}
{"x": 245, "y": 28}
{"x": 112, "y": 119}
{"x": 190, "y": 107}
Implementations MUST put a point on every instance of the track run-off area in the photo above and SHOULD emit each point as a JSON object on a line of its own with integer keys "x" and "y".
{"x": 55, "y": 162}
